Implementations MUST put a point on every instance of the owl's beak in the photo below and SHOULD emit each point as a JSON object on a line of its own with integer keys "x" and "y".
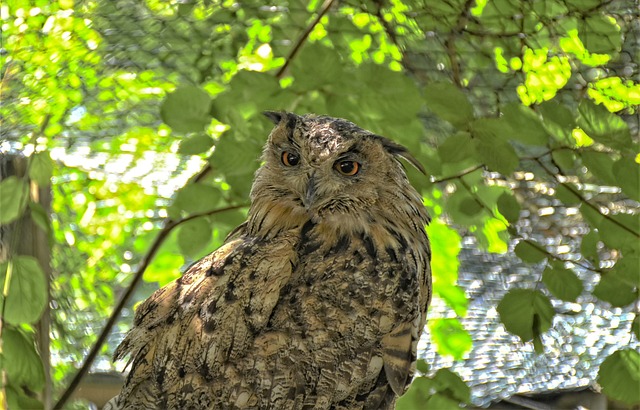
{"x": 310, "y": 192}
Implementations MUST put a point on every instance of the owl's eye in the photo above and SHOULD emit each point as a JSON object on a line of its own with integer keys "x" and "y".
{"x": 348, "y": 168}
{"x": 290, "y": 159}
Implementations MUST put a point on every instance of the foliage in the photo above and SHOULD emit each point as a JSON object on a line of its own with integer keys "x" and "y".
{"x": 544, "y": 94}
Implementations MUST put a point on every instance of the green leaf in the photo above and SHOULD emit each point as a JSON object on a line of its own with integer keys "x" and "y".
{"x": 27, "y": 290}
{"x": 195, "y": 145}
{"x": 589, "y": 246}
{"x": 449, "y": 382}
{"x": 565, "y": 159}
{"x": 600, "y": 34}
{"x": 21, "y": 360}
{"x": 422, "y": 366}
{"x": 41, "y": 168}
{"x": 450, "y": 338}
{"x": 562, "y": 283}
{"x": 619, "y": 376}
{"x": 193, "y": 236}
{"x": 509, "y": 207}
{"x": 14, "y": 193}
{"x": 496, "y": 154}
{"x": 566, "y": 193}
{"x": 440, "y": 402}
{"x": 445, "y": 242}
{"x": 530, "y": 251}
{"x": 454, "y": 296}
{"x": 415, "y": 397}
{"x": 470, "y": 207}
{"x": 558, "y": 121}
{"x": 614, "y": 290}
{"x": 40, "y": 217}
{"x": 234, "y": 157}
{"x": 620, "y": 231}
{"x": 603, "y": 126}
{"x": 526, "y": 313}
{"x": 186, "y": 109}
{"x": 600, "y": 164}
{"x": 526, "y": 125}
{"x": 627, "y": 173}
{"x": 326, "y": 63}
{"x": 635, "y": 327}
{"x": 449, "y": 103}
{"x": 197, "y": 198}
{"x": 456, "y": 148}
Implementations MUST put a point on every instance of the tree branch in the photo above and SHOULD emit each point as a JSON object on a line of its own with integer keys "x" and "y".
{"x": 303, "y": 37}
{"x": 144, "y": 264}
{"x": 586, "y": 202}
{"x": 515, "y": 233}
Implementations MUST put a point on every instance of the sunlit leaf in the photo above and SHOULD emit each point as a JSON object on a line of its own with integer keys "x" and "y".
{"x": 530, "y": 251}
{"x": 526, "y": 313}
{"x": 450, "y": 338}
{"x": 186, "y": 109}
{"x": 445, "y": 246}
{"x": 21, "y": 360}
{"x": 562, "y": 283}
{"x": 14, "y": 193}
{"x": 164, "y": 268}
{"x": 27, "y": 290}
{"x": 619, "y": 376}
{"x": 453, "y": 296}
{"x": 449, "y": 103}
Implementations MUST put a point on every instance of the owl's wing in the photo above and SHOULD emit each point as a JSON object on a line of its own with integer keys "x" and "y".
{"x": 187, "y": 331}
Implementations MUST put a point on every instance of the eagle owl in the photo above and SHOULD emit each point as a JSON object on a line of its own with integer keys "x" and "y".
{"x": 317, "y": 301}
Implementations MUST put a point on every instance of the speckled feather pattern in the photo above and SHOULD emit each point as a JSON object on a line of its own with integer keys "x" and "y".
{"x": 316, "y": 302}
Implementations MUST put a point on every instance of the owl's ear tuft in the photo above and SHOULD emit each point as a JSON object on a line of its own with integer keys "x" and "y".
{"x": 400, "y": 151}
{"x": 275, "y": 116}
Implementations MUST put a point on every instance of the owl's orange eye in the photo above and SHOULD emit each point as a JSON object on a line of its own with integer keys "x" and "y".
{"x": 348, "y": 168}
{"x": 290, "y": 159}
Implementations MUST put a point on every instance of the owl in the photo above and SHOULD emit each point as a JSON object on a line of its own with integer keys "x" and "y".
{"x": 317, "y": 301}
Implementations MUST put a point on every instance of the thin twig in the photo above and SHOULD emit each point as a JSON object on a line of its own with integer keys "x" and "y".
{"x": 303, "y": 37}
{"x": 146, "y": 261}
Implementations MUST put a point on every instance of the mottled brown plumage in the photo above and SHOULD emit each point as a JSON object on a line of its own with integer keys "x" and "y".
{"x": 317, "y": 301}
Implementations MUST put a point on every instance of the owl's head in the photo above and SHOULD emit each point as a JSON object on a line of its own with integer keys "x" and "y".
{"x": 330, "y": 171}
